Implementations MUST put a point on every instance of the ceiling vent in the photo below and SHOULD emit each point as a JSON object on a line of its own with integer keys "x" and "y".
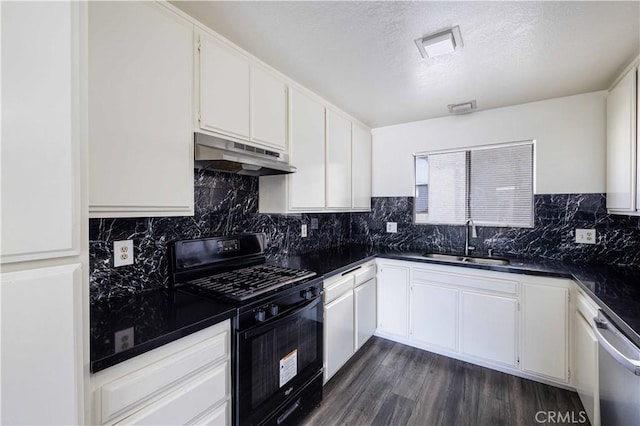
{"x": 463, "y": 108}
{"x": 441, "y": 43}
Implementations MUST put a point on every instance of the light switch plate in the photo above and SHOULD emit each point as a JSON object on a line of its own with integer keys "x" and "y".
{"x": 586, "y": 236}
{"x": 123, "y": 253}
{"x": 314, "y": 223}
{"x": 392, "y": 227}
{"x": 303, "y": 230}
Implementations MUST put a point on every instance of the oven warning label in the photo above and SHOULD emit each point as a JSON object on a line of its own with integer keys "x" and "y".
{"x": 288, "y": 367}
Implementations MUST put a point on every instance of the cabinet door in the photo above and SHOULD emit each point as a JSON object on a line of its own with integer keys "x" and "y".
{"x": 365, "y": 315}
{"x": 41, "y": 346}
{"x": 40, "y": 144}
{"x": 434, "y": 315}
{"x": 621, "y": 144}
{"x": 393, "y": 300}
{"x": 338, "y": 166}
{"x": 224, "y": 89}
{"x": 306, "y": 186}
{"x": 488, "y": 327}
{"x": 268, "y": 109}
{"x": 545, "y": 325}
{"x": 338, "y": 332}
{"x": 586, "y": 367}
{"x": 140, "y": 110}
{"x": 360, "y": 168}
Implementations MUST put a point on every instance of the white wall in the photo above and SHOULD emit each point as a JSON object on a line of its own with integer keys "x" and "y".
{"x": 569, "y": 133}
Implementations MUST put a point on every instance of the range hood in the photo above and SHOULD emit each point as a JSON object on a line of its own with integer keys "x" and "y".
{"x": 214, "y": 153}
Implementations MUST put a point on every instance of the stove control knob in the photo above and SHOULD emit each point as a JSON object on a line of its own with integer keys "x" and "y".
{"x": 306, "y": 294}
{"x": 273, "y": 310}
{"x": 261, "y": 315}
{"x": 315, "y": 291}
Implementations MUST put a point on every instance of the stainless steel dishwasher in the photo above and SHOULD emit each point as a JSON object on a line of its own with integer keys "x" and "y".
{"x": 619, "y": 374}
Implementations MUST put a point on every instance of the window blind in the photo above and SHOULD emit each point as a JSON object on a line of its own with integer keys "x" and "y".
{"x": 447, "y": 187}
{"x": 501, "y": 186}
{"x": 493, "y": 185}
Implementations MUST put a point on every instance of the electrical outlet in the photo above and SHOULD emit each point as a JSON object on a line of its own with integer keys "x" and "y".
{"x": 123, "y": 339}
{"x": 314, "y": 223}
{"x": 123, "y": 253}
{"x": 303, "y": 230}
{"x": 392, "y": 227}
{"x": 586, "y": 236}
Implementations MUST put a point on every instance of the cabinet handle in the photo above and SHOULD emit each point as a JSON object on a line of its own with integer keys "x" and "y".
{"x": 351, "y": 270}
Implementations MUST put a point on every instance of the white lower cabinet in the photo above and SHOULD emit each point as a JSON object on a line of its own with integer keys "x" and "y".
{"x": 585, "y": 361}
{"x": 40, "y": 351}
{"x": 182, "y": 382}
{"x": 434, "y": 315}
{"x": 393, "y": 299}
{"x": 349, "y": 315}
{"x": 514, "y": 323}
{"x": 217, "y": 417}
{"x": 488, "y": 327}
{"x": 338, "y": 325}
{"x": 545, "y": 328}
{"x": 186, "y": 403}
{"x": 365, "y": 311}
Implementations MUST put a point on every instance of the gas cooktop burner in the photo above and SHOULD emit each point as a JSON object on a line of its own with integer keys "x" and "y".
{"x": 243, "y": 284}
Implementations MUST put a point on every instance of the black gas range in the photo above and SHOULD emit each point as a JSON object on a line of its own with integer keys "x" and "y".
{"x": 278, "y": 329}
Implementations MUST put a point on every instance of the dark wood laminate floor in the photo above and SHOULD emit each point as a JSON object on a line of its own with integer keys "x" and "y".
{"x": 387, "y": 383}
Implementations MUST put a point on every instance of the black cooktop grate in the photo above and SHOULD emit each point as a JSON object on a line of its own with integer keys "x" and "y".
{"x": 243, "y": 284}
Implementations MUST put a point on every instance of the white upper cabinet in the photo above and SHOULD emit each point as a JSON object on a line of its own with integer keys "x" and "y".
{"x": 40, "y": 142}
{"x": 238, "y": 99}
{"x": 307, "y": 185}
{"x": 321, "y": 183}
{"x": 140, "y": 110}
{"x": 224, "y": 89}
{"x": 360, "y": 168}
{"x": 338, "y": 161}
{"x": 268, "y": 109}
{"x": 622, "y": 140}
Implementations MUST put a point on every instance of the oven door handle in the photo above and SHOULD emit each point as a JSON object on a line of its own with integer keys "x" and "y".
{"x": 271, "y": 324}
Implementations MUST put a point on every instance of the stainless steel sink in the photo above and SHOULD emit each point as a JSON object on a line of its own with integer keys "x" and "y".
{"x": 446, "y": 257}
{"x": 466, "y": 259}
{"x": 486, "y": 261}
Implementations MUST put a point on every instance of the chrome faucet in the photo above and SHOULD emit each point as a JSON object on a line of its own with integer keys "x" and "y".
{"x": 474, "y": 234}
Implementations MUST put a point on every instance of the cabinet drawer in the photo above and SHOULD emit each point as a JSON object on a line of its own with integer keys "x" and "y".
{"x": 217, "y": 417}
{"x": 479, "y": 283}
{"x": 337, "y": 288}
{"x": 125, "y": 392}
{"x": 365, "y": 274}
{"x": 186, "y": 403}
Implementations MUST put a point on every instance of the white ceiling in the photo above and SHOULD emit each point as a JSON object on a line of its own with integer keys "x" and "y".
{"x": 361, "y": 56}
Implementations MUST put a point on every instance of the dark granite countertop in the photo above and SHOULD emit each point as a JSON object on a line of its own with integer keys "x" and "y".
{"x": 158, "y": 317}
{"x": 616, "y": 289}
{"x": 154, "y": 318}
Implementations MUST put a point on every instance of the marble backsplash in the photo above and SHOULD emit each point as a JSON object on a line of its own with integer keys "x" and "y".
{"x": 227, "y": 204}
{"x": 552, "y": 237}
{"x": 224, "y": 204}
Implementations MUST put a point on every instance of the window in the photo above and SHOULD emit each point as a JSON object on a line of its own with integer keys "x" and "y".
{"x": 492, "y": 185}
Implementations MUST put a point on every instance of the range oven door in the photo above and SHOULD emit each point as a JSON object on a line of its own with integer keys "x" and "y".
{"x": 276, "y": 359}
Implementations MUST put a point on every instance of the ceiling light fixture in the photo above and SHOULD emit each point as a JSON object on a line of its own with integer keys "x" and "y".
{"x": 441, "y": 43}
{"x": 463, "y": 108}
